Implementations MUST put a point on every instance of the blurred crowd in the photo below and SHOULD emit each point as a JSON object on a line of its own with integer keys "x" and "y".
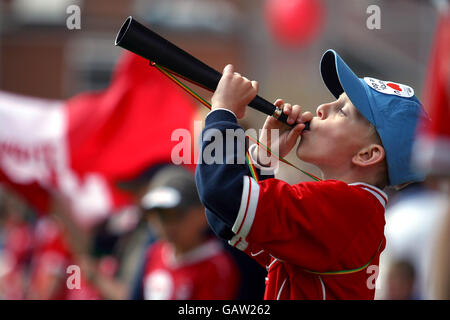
{"x": 159, "y": 248}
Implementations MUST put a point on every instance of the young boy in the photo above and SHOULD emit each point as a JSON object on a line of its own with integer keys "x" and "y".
{"x": 318, "y": 240}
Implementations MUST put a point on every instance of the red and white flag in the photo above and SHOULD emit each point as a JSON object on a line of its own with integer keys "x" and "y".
{"x": 432, "y": 151}
{"x": 83, "y": 146}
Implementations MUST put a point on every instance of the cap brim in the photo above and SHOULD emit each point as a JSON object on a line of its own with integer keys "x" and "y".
{"x": 339, "y": 78}
{"x": 161, "y": 198}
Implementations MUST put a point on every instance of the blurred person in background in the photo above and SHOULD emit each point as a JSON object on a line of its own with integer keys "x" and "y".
{"x": 411, "y": 224}
{"x": 417, "y": 226}
{"x": 60, "y": 244}
{"x": 52, "y": 255}
{"x": 104, "y": 264}
{"x": 101, "y": 253}
{"x": 440, "y": 276}
{"x": 110, "y": 252}
{"x": 188, "y": 262}
{"x": 400, "y": 281}
{"x": 16, "y": 244}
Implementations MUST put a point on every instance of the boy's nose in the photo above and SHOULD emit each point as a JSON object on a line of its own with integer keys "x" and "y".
{"x": 321, "y": 111}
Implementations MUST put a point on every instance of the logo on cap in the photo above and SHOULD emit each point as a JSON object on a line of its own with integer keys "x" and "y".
{"x": 389, "y": 87}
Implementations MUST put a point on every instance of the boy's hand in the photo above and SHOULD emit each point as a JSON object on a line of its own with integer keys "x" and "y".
{"x": 287, "y": 136}
{"x": 234, "y": 92}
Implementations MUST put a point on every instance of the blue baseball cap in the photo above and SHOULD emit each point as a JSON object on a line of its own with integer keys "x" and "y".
{"x": 391, "y": 107}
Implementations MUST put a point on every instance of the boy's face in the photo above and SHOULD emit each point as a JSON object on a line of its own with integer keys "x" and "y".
{"x": 181, "y": 228}
{"x": 337, "y": 133}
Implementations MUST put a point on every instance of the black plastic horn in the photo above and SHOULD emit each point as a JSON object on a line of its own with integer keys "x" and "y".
{"x": 137, "y": 38}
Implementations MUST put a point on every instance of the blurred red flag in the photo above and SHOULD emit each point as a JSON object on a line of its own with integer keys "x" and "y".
{"x": 433, "y": 146}
{"x": 83, "y": 146}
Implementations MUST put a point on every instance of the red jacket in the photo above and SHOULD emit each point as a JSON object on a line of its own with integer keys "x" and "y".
{"x": 299, "y": 232}
{"x": 320, "y": 227}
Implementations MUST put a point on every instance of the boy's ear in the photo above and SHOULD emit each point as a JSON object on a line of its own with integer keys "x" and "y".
{"x": 367, "y": 156}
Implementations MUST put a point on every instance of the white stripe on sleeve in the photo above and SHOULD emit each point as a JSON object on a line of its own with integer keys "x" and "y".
{"x": 246, "y": 213}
